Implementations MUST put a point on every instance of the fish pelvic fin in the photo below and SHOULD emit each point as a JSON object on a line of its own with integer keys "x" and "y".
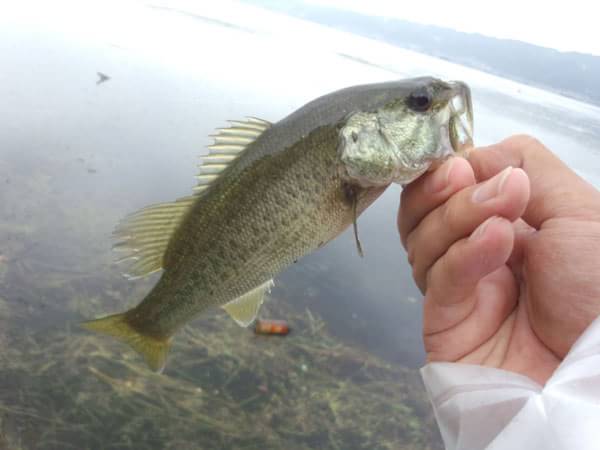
{"x": 154, "y": 350}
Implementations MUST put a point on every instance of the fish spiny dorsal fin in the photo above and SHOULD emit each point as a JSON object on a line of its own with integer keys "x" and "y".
{"x": 244, "y": 309}
{"x": 228, "y": 144}
{"x": 145, "y": 234}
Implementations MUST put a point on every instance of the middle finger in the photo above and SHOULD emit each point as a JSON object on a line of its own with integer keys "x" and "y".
{"x": 504, "y": 195}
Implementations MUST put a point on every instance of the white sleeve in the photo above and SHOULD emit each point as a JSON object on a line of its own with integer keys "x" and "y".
{"x": 481, "y": 408}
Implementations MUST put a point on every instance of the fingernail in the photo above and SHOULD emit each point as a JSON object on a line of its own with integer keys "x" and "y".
{"x": 480, "y": 230}
{"x": 439, "y": 179}
{"x": 492, "y": 187}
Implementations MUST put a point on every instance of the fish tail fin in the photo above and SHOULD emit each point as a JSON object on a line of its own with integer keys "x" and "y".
{"x": 153, "y": 349}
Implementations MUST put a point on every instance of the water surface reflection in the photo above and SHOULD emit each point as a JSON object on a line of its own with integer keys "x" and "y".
{"x": 77, "y": 156}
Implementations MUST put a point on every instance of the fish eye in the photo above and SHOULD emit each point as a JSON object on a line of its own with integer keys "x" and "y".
{"x": 419, "y": 101}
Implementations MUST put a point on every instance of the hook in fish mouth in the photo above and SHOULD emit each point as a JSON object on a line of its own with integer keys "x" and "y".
{"x": 460, "y": 127}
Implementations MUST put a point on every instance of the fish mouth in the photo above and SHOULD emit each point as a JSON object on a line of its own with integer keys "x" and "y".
{"x": 457, "y": 120}
{"x": 460, "y": 126}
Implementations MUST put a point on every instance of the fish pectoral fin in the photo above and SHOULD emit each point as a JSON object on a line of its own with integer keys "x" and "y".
{"x": 244, "y": 309}
{"x": 352, "y": 197}
{"x": 356, "y": 238}
{"x": 153, "y": 349}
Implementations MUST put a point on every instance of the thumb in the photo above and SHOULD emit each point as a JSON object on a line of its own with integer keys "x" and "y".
{"x": 556, "y": 190}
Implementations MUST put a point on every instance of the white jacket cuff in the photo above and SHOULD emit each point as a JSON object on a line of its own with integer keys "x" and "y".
{"x": 484, "y": 408}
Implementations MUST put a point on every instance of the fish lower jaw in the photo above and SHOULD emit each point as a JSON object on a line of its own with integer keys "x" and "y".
{"x": 400, "y": 176}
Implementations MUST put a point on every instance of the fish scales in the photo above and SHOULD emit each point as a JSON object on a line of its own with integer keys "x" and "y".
{"x": 269, "y": 194}
{"x": 245, "y": 229}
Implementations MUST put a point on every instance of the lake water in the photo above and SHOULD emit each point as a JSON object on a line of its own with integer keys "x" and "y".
{"x": 76, "y": 156}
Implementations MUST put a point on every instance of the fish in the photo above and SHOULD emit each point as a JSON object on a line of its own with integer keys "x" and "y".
{"x": 271, "y": 193}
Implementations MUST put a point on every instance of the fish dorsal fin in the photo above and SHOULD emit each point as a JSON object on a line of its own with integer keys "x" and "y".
{"x": 244, "y": 309}
{"x": 228, "y": 144}
{"x": 145, "y": 234}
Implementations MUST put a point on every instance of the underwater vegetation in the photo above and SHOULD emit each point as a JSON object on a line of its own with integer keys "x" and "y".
{"x": 224, "y": 387}
{"x": 61, "y": 389}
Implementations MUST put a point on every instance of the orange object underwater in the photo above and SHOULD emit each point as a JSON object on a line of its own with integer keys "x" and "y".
{"x": 272, "y": 327}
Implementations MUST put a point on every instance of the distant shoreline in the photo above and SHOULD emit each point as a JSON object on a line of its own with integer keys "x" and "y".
{"x": 570, "y": 74}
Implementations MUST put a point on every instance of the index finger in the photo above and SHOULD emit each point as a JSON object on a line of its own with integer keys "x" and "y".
{"x": 422, "y": 196}
{"x": 556, "y": 190}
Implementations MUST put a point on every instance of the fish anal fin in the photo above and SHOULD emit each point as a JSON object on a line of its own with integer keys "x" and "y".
{"x": 244, "y": 309}
{"x": 154, "y": 350}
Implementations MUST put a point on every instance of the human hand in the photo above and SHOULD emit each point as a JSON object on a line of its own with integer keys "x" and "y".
{"x": 508, "y": 259}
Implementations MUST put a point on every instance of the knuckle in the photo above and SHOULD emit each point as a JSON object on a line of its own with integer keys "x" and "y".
{"x": 450, "y": 263}
{"x": 435, "y": 344}
{"x": 403, "y": 223}
{"x": 451, "y": 215}
{"x": 415, "y": 257}
{"x": 405, "y": 194}
{"x": 411, "y": 253}
{"x": 432, "y": 347}
{"x": 408, "y": 197}
{"x": 421, "y": 281}
{"x": 525, "y": 143}
{"x": 428, "y": 278}
{"x": 446, "y": 274}
{"x": 419, "y": 274}
{"x": 408, "y": 212}
{"x": 403, "y": 229}
{"x": 415, "y": 273}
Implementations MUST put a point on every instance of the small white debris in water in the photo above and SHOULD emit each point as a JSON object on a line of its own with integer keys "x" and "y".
{"x": 411, "y": 300}
{"x": 311, "y": 292}
{"x": 304, "y": 367}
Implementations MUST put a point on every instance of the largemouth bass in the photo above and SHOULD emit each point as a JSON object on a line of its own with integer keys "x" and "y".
{"x": 269, "y": 194}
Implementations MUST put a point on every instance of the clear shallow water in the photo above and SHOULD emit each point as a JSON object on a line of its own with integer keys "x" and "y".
{"x": 77, "y": 156}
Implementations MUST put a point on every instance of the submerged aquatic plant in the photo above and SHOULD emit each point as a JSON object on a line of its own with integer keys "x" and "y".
{"x": 225, "y": 387}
